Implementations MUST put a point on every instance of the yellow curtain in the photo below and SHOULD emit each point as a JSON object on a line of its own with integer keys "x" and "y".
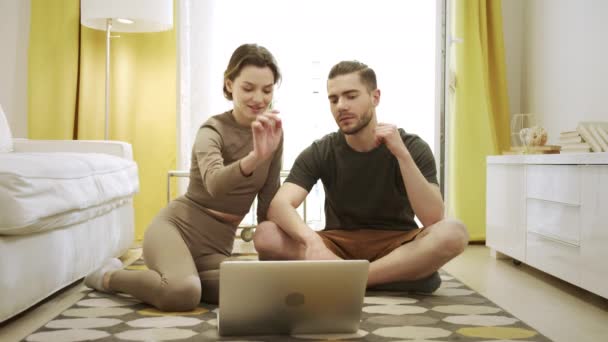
{"x": 142, "y": 95}
{"x": 479, "y": 111}
{"x": 53, "y": 69}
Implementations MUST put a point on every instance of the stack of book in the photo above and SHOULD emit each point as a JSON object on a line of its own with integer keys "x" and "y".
{"x": 572, "y": 142}
{"x": 588, "y": 137}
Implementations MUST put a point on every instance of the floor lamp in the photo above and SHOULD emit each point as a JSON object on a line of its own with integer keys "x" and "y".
{"x": 124, "y": 16}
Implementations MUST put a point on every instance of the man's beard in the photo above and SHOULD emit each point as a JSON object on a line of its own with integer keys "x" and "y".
{"x": 363, "y": 122}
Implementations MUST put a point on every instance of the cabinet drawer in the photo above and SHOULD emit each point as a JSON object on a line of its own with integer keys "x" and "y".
{"x": 554, "y": 220}
{"x": 554, "y": 257}
{"x": 559, "y": 183}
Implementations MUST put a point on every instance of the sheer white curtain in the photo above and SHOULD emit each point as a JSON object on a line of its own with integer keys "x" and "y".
{"x": 396, "y": 38}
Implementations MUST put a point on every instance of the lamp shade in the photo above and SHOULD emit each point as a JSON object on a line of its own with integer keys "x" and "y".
{"x": 147, "y": 15}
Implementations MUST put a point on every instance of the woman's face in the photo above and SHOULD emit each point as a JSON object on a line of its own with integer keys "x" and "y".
{"x": 252, "y": 92}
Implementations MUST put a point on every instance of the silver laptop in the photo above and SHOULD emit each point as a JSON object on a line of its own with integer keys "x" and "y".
{"x": 291, "y": 297}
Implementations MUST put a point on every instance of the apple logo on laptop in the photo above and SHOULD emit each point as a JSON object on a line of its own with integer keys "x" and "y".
{"x": 294, "y": 299}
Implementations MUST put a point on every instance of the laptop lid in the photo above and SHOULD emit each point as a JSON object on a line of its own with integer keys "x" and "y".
{"x": 291, "y": 297}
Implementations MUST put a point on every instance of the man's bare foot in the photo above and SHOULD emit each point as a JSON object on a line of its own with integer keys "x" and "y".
{"x": 315, "y": 249}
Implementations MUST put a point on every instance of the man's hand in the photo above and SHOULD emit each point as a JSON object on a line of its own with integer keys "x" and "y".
{"x": 315, "y": 249}
{"x": 389, "y": 135}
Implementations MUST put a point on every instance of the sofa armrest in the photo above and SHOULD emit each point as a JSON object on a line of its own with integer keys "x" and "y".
{"x": 116, "y": 148}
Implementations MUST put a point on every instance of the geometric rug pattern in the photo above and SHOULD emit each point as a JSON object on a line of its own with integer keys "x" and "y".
{"x": 453, "y": 313}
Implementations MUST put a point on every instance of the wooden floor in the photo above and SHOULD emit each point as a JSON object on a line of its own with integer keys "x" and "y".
{"x": 29, "y": 321}
{"x": 561, "y": 311}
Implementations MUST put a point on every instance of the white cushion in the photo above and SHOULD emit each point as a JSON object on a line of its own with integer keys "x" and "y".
{"x": 37, "y": 188}
{"x": 6, "y": 138}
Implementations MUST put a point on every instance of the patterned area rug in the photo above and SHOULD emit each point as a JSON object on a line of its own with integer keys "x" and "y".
{"x": 452, "y": 313}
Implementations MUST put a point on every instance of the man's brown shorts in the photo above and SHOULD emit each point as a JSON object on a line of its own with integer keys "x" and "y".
{"x": 369, "y": 244}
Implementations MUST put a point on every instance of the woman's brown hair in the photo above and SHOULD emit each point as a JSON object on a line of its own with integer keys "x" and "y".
{"x": 249, "y": 54}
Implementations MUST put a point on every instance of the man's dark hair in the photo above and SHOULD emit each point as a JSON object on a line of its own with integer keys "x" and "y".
{"x": 366, "y": 74}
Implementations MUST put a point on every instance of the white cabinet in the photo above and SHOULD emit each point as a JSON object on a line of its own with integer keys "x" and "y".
{"x": 551, "y": 212}
{"x": 594, "y": 230}
{"x": 506, "y": 230}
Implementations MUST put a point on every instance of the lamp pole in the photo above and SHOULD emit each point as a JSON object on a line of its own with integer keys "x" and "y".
{"x": 106, "y": 134}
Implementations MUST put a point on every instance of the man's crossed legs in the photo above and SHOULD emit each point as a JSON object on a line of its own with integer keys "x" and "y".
{"x": 399, "y": 260}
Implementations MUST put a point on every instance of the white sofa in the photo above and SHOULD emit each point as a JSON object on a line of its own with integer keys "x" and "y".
{"x": 65, "y": 207}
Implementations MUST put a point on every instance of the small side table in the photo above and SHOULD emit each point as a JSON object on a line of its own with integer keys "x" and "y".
{"x": 171, "y": 174}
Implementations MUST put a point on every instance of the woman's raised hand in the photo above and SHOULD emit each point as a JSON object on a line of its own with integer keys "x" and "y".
{"x": 267, "y": 131}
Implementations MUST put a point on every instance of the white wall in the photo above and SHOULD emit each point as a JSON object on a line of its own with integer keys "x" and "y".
{"x": 513, "y": 19}
{"x": 564, "y": 61}
{"x": 14, "y": 36}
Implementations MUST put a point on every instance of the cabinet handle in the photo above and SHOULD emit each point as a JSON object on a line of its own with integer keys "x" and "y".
{"x": 544, "y": 236}
{"x": 554, "y": 201}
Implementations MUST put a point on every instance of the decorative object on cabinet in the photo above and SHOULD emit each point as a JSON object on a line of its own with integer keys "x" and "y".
{"x": 519, "y": 122}
{"x": 529, "y": 138}
{"x": 547, "y": 149}
{"x": 533, "y": 136}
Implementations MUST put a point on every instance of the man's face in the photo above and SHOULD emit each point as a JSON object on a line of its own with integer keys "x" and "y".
{"x": 351, "y": 103}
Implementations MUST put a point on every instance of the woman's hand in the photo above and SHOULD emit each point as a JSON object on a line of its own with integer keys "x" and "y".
{"x": 267, "y": 131}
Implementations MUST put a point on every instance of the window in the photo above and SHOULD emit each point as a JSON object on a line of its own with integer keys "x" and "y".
{"x": 398, "y": 39}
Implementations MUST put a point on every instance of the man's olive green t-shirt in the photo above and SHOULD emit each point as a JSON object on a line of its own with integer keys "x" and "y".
{"x": 363, "y": 190}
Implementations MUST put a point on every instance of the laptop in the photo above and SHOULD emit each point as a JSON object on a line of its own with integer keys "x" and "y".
{"x": 291, "y": 297}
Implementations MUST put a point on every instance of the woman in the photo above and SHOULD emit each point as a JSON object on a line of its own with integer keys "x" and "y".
{"x": 236, "y": 156}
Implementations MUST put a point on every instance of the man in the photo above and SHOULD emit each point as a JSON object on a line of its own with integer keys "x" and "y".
{"x": 376, "y": 178}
